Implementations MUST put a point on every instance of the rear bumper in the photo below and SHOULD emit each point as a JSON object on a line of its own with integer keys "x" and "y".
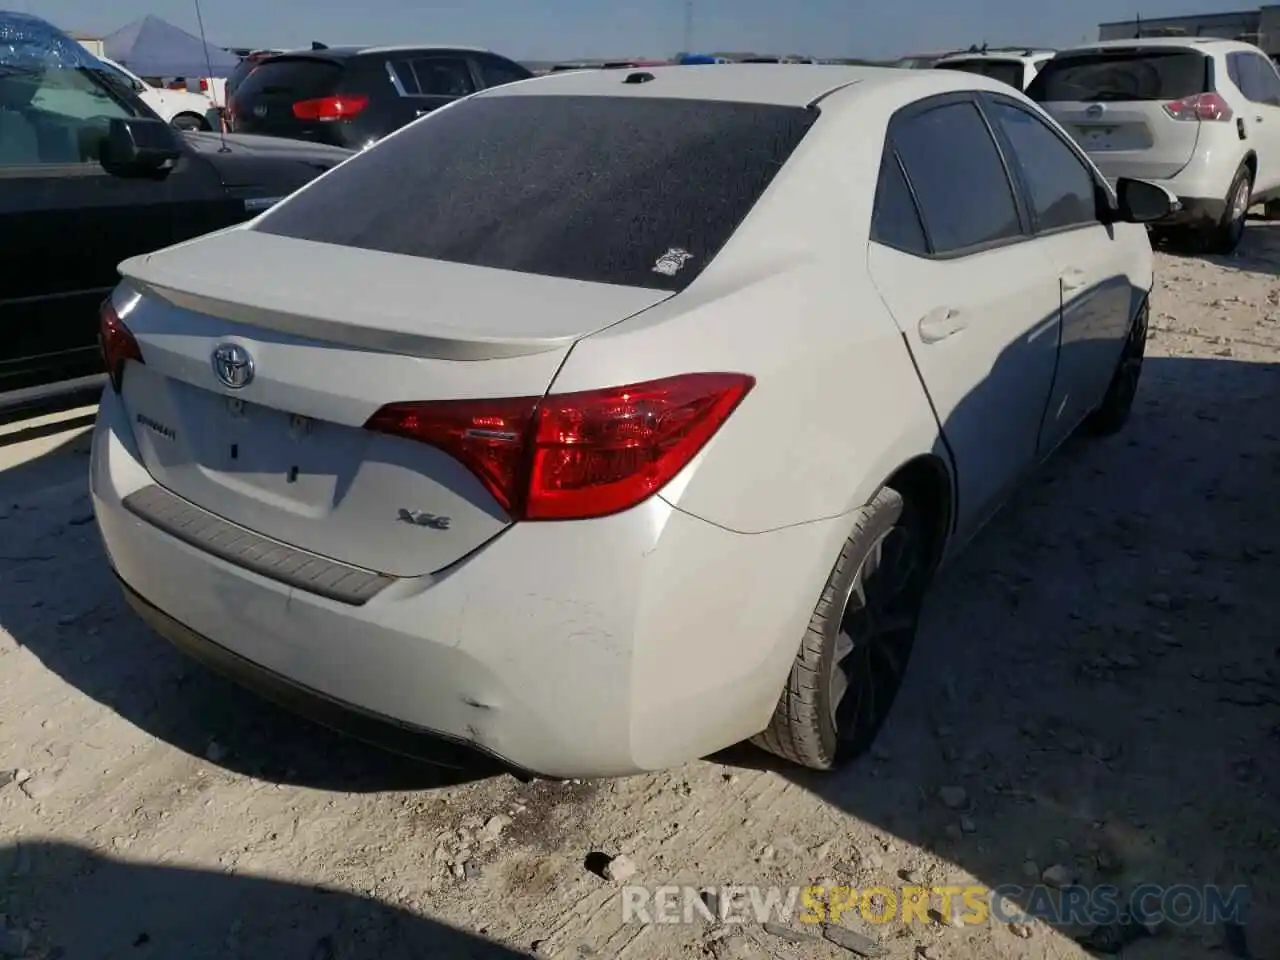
{"x": 602, "y": 648}
{"x": 345, "y": 718}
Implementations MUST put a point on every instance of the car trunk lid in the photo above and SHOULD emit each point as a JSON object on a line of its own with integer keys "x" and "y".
{"x": 1115, "y": 101}
{"x": 286, "y": 454}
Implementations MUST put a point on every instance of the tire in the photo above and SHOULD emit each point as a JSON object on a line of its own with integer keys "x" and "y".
{"x": 1272, "y": 210}
{"x": 1225, "y": 236}
{"x": 189, "y": 121}
{"x": 1117, "y": 403}
{"x": 814, "y": 725}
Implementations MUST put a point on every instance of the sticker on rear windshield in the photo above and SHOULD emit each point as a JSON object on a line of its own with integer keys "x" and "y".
{"x": 672, "y": 262}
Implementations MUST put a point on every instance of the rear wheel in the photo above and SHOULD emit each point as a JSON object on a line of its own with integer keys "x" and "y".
{"x": 1113, "y": 413}
{"x": 189, "y": 121}
{"x": 854, "y": 654}
{"x": 1226, "y": 234}
{"x": 1272, "y": 210}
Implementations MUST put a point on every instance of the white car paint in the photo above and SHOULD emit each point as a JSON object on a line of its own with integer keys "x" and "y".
{"x": 626, "y": 642}
{"x": 1025, "y": 62}
{"x": 168, "y": 104}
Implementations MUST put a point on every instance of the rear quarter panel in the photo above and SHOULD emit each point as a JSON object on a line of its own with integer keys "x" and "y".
{"x": 837, "y": 405}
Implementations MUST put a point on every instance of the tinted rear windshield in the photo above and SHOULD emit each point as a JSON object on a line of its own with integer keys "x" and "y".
{"x": 1135, "y": 74}
{"x": 635, "y": 191}
{"x": 300, "y": 77}
{"x": 1006, "y": 71}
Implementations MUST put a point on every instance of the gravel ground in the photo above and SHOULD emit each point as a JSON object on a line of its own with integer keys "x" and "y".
{"x": 1094, "y": 696}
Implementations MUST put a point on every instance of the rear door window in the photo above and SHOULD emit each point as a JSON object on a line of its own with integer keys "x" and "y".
{"x": 1061, "y": 189}
{"x": 1006, "y": 71}
{"x": 959, "y": 179}
{"x": 1122, "y": 75}
{"x": 634, "y": 191}
{"x": 896, "y": 222}
{"x": 443, "y": 76}
{"x": 402, "y": 73}
{"x": 298, "y": 78}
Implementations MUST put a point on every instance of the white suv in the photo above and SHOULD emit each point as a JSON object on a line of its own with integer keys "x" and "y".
{"x": 1200, "y": 117}
{"x": 1016, "y": 66}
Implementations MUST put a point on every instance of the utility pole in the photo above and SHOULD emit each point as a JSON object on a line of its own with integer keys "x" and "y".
{"x": 688, "y": 26}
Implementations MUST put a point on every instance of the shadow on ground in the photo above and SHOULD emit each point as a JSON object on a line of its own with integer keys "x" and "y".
{"x": 109, "y": 909}
{"x": 1119, "y": 720}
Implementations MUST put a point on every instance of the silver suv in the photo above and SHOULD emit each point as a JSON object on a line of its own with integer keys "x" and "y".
{"x": 1198, "y": 116}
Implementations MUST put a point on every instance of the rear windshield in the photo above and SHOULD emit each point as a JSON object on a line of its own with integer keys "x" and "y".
{"x": 299, "y": 77}
{"x": 635, "y": 191}
{"x": 1134, "y": 74}
{"x": 1006, "y": 71}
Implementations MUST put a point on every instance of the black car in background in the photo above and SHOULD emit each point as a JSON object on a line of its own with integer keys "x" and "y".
{"x": 89, "y": 177}
{"x": 354, "y": 96}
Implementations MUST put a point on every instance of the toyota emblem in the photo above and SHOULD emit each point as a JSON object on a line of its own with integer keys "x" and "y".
{"x": 260, "y": 111}
{"x": 233, "y": 365}
{"x": 1095, "y": 110}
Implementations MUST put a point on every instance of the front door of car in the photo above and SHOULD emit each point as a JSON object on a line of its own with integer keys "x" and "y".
{"x": 1091, "y": 262}
{"x": 977, "y": 303}
{"x": 65, "y": 223}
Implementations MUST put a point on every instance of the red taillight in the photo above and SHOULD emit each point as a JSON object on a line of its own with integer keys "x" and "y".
{"x": 572, "y": 456}
{"x": 117, "y": 344}
{"x": 1202, "y": 106}
{"x": 329, "y": 108}
{"x": 204, "y": 85}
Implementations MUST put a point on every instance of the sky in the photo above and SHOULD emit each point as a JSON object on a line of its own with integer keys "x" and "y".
{"x": 565, "y": 29}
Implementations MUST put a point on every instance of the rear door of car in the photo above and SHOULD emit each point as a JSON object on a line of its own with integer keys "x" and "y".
{"x": 428, "y": 80}
{"x": 1256, "y": 78}
{"x": 1119, "y": 104}
{"x": 976, "y": 298}
{"x": 65, "y": 223}
{"x": 1091, "y": 260}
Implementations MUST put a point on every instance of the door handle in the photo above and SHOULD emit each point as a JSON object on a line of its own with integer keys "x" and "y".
{"x": 940, "y": 324}
{"x": 1072, "y": 280}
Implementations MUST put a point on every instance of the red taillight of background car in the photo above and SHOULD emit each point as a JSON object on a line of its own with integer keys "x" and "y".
{"x": 573, "y": 456}
{"x": 330, "y": 108}
{"x": 117, "y": 344}
{"x": 1202, "y": 106}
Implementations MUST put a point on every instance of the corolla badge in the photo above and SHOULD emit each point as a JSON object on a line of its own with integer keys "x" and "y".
{"x": 233, "y": 365}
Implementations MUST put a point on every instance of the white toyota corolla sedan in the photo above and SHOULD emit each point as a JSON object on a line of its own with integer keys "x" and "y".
{"x": 603, "y": 420}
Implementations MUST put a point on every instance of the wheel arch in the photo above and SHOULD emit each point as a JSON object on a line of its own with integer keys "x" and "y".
{"x": 927, "y": 483}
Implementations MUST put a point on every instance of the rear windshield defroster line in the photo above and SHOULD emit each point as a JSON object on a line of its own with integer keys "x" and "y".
{"x": 634, "y": 191}
{"x": 1140, "y": 73}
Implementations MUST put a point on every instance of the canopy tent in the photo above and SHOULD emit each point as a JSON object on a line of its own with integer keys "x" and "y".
{"x": 151, "y": 47}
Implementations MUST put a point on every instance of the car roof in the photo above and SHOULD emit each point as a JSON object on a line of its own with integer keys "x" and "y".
{"x": 788, "y": 85}
{"x": 1207, "y": 44}
{"x": 1006, "y": 53}
{"x": 347, "y": 52}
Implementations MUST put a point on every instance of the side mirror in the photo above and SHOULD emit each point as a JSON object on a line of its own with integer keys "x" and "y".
{"x": 138, "y": 146}
{"x": 1144, "y": 202}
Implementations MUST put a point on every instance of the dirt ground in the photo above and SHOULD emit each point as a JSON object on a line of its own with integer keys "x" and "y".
{"x": 1097, "y": 675}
